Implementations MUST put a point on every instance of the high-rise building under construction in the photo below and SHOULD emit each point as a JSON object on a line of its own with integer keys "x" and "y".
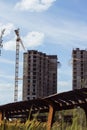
{"x": 39, "y": 75}
{"x": 79, "y": 68}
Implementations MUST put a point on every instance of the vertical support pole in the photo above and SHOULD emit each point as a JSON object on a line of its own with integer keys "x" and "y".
{"x": 85, "y": 109}
{"x": 50, "y": 117}
{"x": 16, "y": 71}
{"x": 86, "y": 114}
{"x": 0, "y": 118}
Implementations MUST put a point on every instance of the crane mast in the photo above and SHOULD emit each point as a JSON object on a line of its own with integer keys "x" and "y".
{"x": 16, "y": 65}
{"x": 1, "y": 45}
{"x": 18, "y": 42}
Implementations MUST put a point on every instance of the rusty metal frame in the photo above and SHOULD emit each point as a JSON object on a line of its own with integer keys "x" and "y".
{"x": 50, "y": 117}
{"x": 57, "y": 102}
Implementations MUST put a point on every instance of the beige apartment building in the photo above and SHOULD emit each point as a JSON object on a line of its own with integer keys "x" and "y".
{"x": 79, "y": 68}
{"x": 39, "y": 75}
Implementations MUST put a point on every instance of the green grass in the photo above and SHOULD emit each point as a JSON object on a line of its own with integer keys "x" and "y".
{"x": 78, "y": 122}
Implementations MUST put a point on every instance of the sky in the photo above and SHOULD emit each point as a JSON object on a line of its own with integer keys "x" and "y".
{"x": 54, "y": 27}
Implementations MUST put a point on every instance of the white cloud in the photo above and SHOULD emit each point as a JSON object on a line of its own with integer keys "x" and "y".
{"x": 8, "y": 28}
{"x": 10, "y": 45}
{"x": 32, "y": 39}
{"x": 64, "y": 32}
{"x": 34, "y": 5}
{"x": 70, "y": 34}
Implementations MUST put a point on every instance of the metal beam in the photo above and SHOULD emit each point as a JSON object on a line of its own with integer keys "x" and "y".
{"x": 0, "y": 118}
{"x": 50, "y": 117}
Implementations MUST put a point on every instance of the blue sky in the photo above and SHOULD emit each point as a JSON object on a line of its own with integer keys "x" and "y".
{"x": 51, "y": 26}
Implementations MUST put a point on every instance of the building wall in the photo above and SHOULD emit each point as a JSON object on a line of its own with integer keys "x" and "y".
{"x": 79, "y": 68}
{"x": 39, "y": 75}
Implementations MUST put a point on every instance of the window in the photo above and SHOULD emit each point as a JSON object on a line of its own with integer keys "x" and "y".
{"x": 33, "y": 89}
{"x": 34, "y": 56}
{"x": 28, "y": 98}
{"x": 34, "y": 69}
{"x": 34, "y": 77}
{"x": 34, "y": 81}
{"x": 34, "y": 73}
{"x": 33, "y": 93}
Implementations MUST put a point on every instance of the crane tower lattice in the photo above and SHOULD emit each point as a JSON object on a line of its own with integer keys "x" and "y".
{"x": 1, "y": 45}
{"x": 18, "y": 42}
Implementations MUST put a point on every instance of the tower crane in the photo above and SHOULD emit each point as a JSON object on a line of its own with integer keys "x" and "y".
{"x": 18, "y": 42}
{"x": 1, "y": 45}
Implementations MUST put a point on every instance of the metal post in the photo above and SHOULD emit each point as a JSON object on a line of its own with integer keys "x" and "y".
{"x": 50, "y": 117}
{"x": 85, "y": 110}
{"x": 0, "y": 118}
